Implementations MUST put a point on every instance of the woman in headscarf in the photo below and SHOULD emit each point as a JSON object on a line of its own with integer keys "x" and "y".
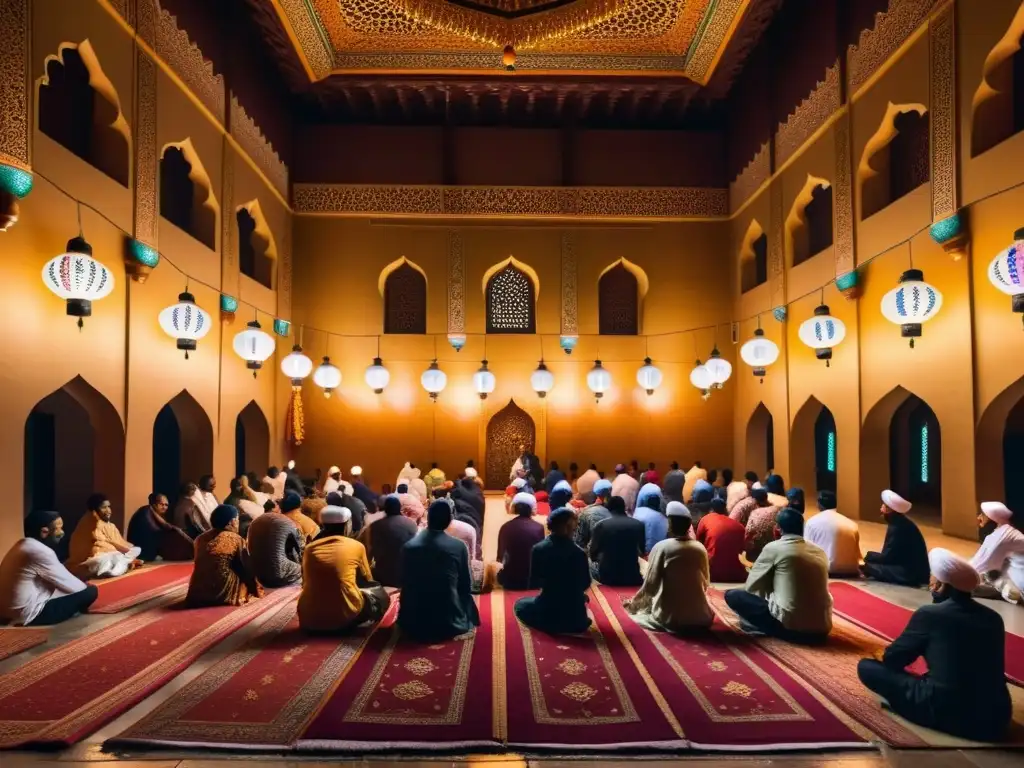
{"x": 222, "y": 574}
{"x": 648, "y": 511}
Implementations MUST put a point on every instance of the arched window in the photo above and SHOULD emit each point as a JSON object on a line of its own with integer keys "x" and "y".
{"x": 809, "y": 224}
{"x": 405, "y": 300}
{"x": 183, "y": 200}
{"x": 753, "y": 258}
{"x": 254, "y": 256}
{"x": 618, "y": 297}
{"x": 510, "y": 302}
{"x": 896, "y": 160}
{"x": 998, "y": 108}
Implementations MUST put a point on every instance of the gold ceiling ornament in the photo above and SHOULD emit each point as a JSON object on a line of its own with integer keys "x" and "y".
{"x": 523, "y": 31}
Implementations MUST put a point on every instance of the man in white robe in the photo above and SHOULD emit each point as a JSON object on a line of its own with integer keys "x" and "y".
{"x": 837, "y": 534}
{"x": 205, "y": 501}
{"x": 1000, "y": 559}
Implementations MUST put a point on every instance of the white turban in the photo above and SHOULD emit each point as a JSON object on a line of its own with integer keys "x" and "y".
{"x": 332, "y": 515}
{"x": 562, "y": 485}
{"x": 895, "y": 502}
{"x": 677, "y": 509}
{"x": 519, "y": 482}
{"x": 356, "y": 471}
{"x": 525, "y": 498}
{"x": 471, "y": 472}
{"x": 756, "y": 485}
{"x": 333, "y": 470}
{"x": 996, "y": 511}
{"x": 953, "y": 570}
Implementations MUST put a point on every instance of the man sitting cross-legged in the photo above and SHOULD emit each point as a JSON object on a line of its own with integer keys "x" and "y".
{"x": 98, "y": 549}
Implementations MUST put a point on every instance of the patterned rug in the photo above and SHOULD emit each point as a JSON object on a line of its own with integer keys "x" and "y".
{"x": 137, "y": 587}
{"x": 17, "y": 639}
{"x": 889, "y": 620}
{"x": 62, "y": 696}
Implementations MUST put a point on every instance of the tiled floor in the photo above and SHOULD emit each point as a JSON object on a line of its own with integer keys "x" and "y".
{"x": 872, "y": 534}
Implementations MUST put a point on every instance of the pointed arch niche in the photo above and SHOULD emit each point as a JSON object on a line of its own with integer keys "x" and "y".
{"x": 760, "y": 441}
{"x": 74, "y": 446}
{"x": 79, "y": 108}
{"x": 621, "y": 290}
{"x": 186, "y": 193}
{"x": 999, "y": 449}
{"x": 896, "y": 160}
{"x": 507, "y": 429}
{"x": 252, "y": 440}
{"x": 257, "y": 249}
{"x": 182, "y": 444}
{"x": 997, "y": 110}
{"x": 809, "y": 224}
{"x": 753, "y": 257}
{"x": 403, "y": 286}
{"x": 814, "y": 448}
{"x": 511, "y": 289}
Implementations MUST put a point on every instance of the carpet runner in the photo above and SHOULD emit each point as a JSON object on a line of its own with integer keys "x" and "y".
{"x": 62, "y": 696}
{"x": 17, "y": 639}
{"x": 889, "y": 620}
{"x": 137, "y": 587}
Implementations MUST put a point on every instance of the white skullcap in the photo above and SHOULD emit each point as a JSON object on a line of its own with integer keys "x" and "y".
{"x": 602, "y": 486}
{"x": 677, "y": 509}
{"x": 471, "y": 472}
{"x": 562, "y": 485}
{"x": 332, "y": 515}
{"x": 895, "y": 502}
{"x": 525, "y": 498}
{"x": 996, "y": 511}
{"x": 356, "y": 471}
{"x": 953, "y": 570}
{"x": 519, "y": 482}
{"x": 756, "y": 485}
{"x": 333, "y": 470}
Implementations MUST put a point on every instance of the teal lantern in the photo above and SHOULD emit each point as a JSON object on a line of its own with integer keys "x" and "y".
{"x": 951, "y": 233}
{"x": 15, "y": 183}
{"x": 228, "y": 306}
{"x": 142, "y": 259}
{"x": 282, "y": 327}
{"x": 780, "y": 314}
{"x": 848, "y": 284}
{"x": 568, "y": 343}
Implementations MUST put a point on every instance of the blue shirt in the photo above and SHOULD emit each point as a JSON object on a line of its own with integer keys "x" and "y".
{"x": 655, "y": 526}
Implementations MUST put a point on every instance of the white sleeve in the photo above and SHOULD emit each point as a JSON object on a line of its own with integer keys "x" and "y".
{"x": 48, "y": 568}
{"x": 990, "y": 555}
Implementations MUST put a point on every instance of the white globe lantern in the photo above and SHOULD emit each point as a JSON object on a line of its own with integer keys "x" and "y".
{"x": 185, "y": 322}
{"x": 1006, "y": 272}
{"x": 327, "y": 376}
{"x": 254, "y": 346}
{"x": 598, "y": 380}
{"x": 700, "y": 377}
{"x": 719, "y": 369}
{"x": 434, "y": 380}
{"x": 822, "y": 332}
{"x": 484, "y": 381}
{"x": 296, "y": 366}
{"x": 759, "y": 353}
{"x": 377, "y": 376}
{"x": 911, "y": 303}
{"x": 649, "y": 376}
{"x": 542, "y": 380}
{"x": 78, "y": 278}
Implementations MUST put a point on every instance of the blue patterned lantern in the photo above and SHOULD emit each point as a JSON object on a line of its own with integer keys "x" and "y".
{"x": 1006, "y": 272}
{"x": 780, "y": 314}
{"x": 568, "y": 343}
{"x": 911, "y": 303}
{"x": 822, "y": 332}
{"x": 186, "y": 322}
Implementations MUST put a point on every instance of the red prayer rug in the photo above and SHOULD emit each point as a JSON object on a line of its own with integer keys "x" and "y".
{"x": 62, "y": 696}
{"x": 404, "y": 695}
{"x": 725, "y": 692}
{"x": 138, "y": 586}
{"x": 888, "y": 620}
{"x": 17, "y": 639}
{"x": 258, "y": 697}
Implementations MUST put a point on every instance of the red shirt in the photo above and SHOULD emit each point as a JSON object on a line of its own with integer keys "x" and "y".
{"x": 723, "y": 538}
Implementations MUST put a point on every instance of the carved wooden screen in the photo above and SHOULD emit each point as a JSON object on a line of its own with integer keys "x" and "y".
{"x": 405, "y": 301}
{"x": 510, "y": 302}
{"x": 618, "y": 303}
{"x": 508, "y": 429}
{"x": 909, "y": 160}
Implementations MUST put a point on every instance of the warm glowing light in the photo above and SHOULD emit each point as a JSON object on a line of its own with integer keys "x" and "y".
{"x": 822, "y": 332}
{"x": 759, "y": 353}
{"x": 254, "y": 346}
{"x": 377, "y": 376}
{"x": 649, "y": 376}
{"x": 296, "y": 366}
{"x": 700, "y": 377}
{"x": 598, "y": 380}
{"x": 185, "y": 322}
{"x": 911, "y": 303}
{"x": 542, "y": 380}
{"x": 719, "y": 369}
{"x": 327, "y": 376}
{"x": 78, "y": 278}
{"x": 484, "y": 381}
{"x": 434, "y": 380}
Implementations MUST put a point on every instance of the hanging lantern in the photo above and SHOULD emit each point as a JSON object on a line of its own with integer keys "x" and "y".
{"x": 719, "y": 369}
{"x": 700, "y": 377}
{"x": 568, "y": 343}
{"x": 327, "y": 376}
{"x": 457, "y": 340}
{"x": 598, "y": 380}
{"x": 185, "y": 322}
{"x": 434, "y": 380}
{"x": 1006, "y": 272}
{"x": 254, "y": 346}
{"x": 508, "y": 58}
{"x": 377, "y": 376}
{"x": 484, "y": 381}
{"x": 822, "y": 332}
{"x": 542, "y": 380}
{"x": 649, "y": 376}
{"x": 911, "y": 303}
{"x": 78, "y": 278}
{"x": 296, "y": 366}
{"x": 759, "y": 353}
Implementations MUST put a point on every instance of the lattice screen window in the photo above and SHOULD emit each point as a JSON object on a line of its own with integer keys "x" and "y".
{"x": 510, "y": 302}
{"x": 405, "y": 301}
{"x": 618, "y": 303}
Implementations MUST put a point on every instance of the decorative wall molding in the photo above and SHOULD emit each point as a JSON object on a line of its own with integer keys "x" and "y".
{"x": 284, "y": 271}
{"x": 145, "y": 222}
{"x": 252, "y": 140}
{"x": 587, "y": 202}
{"x": 313, "y": 48}
{"x": 812, "y": 113}
{"x": 756, "y": 173}
{"x": 185, "y": 58}
{"x": 228, "y": 226}
{"x": 776, "y": 248}
{"x": 15, "y": 130}
{"x": 146, "y": 20}
{"x": 456, "y": 283}
{"x": 570, "y": 318}
{"x": 842, "y": 191}
{"x": 942, "y": 47}
{"x": 891, "y": 29}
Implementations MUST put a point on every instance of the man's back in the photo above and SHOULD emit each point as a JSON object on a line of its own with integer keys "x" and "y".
{"x": 330, "y": 597}
{"x": 275, "y": 549}
{"x": 436, "y": 602}
{"x": 588, "y": 518}
{"x": 839, "y": 537}
{"x": 792, "y": 574}
{"x": 616, "y": 546}
{"x": 516, "y": 540}
{"x": 723, "y": 538}
{"x": 387, "y": 536}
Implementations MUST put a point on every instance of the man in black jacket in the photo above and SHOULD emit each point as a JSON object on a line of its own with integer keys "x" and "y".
{"x": 904, "y": 556}
{"x": 616, "y": 545}
{"x": 964, "y": 691}
{"x": 559, "y": 569}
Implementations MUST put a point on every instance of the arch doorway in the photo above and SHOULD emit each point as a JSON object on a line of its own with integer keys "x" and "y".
{"x": 815, "y": 448}
{"x": 252, "y": 441}
{"x": 999, "y": 448}
{"x": 508, "y": 429}
{"x": 182, "y": 444}
{"x": 1013, "y": 456}
{"x": 760, "y": 441}
{"x": 74, "y": 446}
